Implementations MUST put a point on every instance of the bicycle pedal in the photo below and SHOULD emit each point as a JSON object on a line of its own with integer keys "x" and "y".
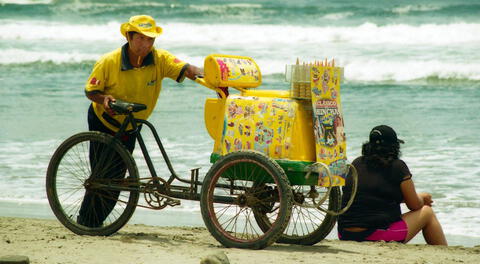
{"x": 172, "y": 202}
{"x": 166, "y": 199}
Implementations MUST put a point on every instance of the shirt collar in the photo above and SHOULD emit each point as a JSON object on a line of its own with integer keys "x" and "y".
{"x": 126, "y": 65}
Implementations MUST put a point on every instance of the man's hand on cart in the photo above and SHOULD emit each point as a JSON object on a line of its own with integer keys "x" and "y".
{"x": 222, "y": 92}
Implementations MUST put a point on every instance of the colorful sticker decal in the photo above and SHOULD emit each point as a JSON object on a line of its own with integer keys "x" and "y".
{"x": 330, "y": 141}
{"x": 236, "y": 69}
{"x": 259, "y": 123}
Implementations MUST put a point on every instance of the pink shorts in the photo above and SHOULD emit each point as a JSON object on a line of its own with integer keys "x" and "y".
{"x": 395, "y": 232}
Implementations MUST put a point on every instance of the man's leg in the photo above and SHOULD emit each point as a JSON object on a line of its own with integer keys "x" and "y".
{"x": 105, "y": 164}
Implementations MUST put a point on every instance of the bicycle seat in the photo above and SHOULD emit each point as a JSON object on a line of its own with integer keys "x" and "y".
{"x": 122, "y": 107}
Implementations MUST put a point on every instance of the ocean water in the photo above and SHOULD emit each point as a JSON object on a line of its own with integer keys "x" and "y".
{"x": 414, "y": 65}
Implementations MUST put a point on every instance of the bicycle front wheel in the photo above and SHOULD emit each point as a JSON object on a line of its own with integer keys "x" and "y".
{"x": 92, "y": 184}
{"x": 236, "y": 186}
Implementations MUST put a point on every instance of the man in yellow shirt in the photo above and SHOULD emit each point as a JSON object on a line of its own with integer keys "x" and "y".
{"x": 132, "y": 73}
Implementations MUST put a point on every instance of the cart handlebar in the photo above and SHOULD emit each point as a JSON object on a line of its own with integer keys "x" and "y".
{"x": 201, "y": 80}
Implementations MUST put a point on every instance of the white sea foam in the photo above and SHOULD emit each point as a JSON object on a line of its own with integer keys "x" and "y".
{"x": 368, "y": 33}
{"x": 24, "y": 201}
{"x": 399, "y": 43}
{"x": 10, "y": 56}
{"x": 463, "y": 223}
{"x": 184, "y": 155}
{"x": 276, "y": 50}
{"x": 220, "y": 9}
{"x": 356, "y": 68}
{"x": 44, "y": 30}
{"x": 83, "y": 5}
{"x": 26, "y": 2}
{"x": 254, "y": 35}
{"x": 414, "y": 8}
{"x": 364, "y": 69}
{"x": 338, "y": 16}
{"x": 385, "y": 70}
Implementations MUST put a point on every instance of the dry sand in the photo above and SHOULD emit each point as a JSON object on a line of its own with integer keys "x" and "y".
{"x": 47, "y": 241}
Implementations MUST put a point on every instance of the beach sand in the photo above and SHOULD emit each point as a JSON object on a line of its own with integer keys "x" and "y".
{"x": 47, "y": 241}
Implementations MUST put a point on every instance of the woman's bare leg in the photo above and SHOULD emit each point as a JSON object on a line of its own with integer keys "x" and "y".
{"x": 425, "y": 220}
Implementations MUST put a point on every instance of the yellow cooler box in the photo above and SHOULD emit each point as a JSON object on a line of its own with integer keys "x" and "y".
{"x": 272, "y": 121}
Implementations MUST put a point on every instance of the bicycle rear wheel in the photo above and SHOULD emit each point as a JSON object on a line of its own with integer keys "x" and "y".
{"x": 308, "y": 225}
{"x": 92, "y": 184}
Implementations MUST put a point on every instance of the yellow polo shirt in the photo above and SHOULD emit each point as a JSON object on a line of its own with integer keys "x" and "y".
{"x": 114, "y": 75}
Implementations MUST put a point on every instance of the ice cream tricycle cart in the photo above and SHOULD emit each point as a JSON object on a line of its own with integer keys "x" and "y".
{"x": 279, "y": 159}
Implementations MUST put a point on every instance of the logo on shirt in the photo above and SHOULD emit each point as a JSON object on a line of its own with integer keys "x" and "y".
{"x": 94, "y": 81}
{"x": 151, "y": 83}
{"x": 176, "y": 60}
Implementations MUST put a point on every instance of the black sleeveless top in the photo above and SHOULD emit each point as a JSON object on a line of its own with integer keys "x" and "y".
{"x": 377, "y": 202}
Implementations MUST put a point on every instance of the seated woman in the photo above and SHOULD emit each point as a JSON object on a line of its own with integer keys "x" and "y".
{"x": 384, "y": 181}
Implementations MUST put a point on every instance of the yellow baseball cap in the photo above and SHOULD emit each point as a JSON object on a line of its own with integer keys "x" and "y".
{"x": 142, "y": 24}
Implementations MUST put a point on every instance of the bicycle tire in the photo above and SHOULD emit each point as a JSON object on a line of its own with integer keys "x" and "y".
{"x": 308, "y": 225}
{"x": 70, "y": 175}
{"x": 240, "y": 172}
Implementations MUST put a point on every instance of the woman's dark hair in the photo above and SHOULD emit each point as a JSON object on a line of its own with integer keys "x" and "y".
{"x": 379, "y": 156}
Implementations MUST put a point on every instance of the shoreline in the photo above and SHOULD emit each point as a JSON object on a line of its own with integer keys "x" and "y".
{"x": 182, "y": 218}
{"x": 47, "y": 241}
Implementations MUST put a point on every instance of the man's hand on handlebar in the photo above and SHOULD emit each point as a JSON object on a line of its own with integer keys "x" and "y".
{"x": 107, "y": 99}
{"x": 103, "y": 99}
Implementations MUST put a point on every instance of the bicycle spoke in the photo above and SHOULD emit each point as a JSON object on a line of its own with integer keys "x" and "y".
{"x": 85, "y": 177}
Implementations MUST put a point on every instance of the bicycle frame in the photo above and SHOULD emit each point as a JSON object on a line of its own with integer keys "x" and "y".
{"x": 164, "y": 186}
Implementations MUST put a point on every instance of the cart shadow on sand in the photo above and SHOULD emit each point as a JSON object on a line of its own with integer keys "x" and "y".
{"x": 196, "y": 236}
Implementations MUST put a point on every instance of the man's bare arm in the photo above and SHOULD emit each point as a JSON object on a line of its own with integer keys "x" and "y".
{"x": 103, "y": 99}
{"x": 192, "y": 72}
